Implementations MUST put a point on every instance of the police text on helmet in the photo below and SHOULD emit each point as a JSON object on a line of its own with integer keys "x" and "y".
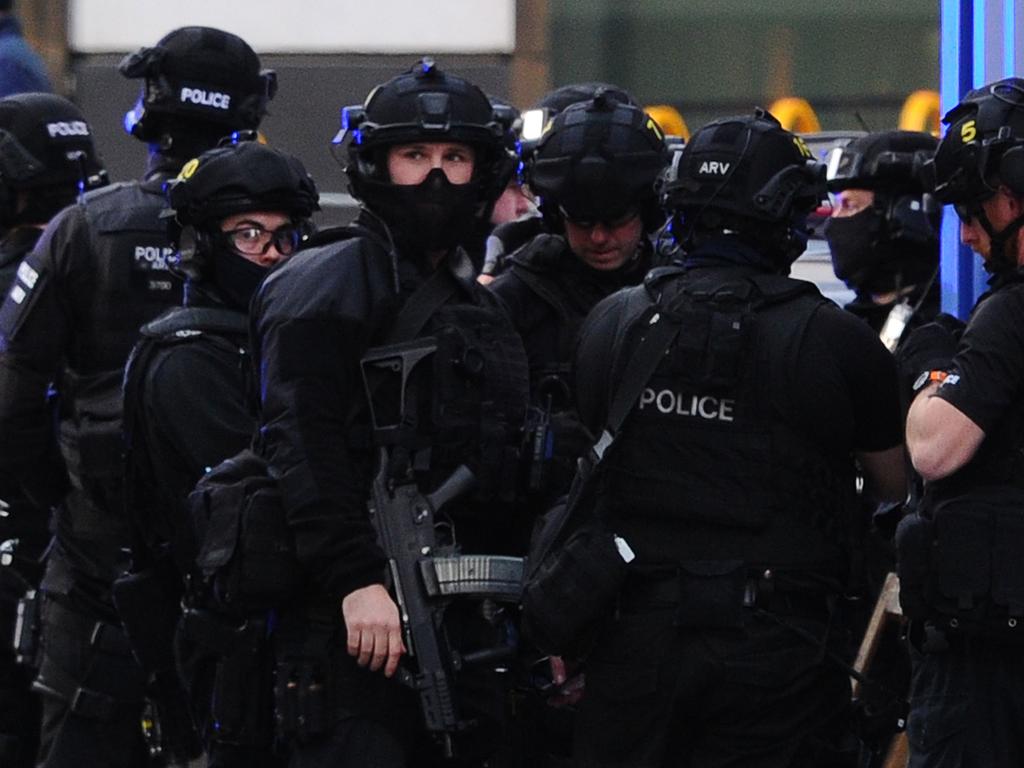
{"x": 206, "y": 98}
{"x": 701, "y": 406}
{"x": 73, "y": 128}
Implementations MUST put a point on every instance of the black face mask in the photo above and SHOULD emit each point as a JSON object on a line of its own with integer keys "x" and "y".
{"x": 434, "y": 215}
{"x": 858, "y": 255}
{"x": 236, "y": 278}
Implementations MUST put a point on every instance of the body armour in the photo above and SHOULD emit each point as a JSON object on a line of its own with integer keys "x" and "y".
{"x": 225, "y": 331}
{"x": 706, "y": 467}
{"x": 97, "y": 274}
{"x": 321, "y": 313}
{"x": 549, "y": 292}
{"x": 959, "y": 554}
{"x": 13, "y": 248}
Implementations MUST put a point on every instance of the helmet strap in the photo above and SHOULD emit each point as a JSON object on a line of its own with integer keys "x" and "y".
{"x": 999, "y": 259}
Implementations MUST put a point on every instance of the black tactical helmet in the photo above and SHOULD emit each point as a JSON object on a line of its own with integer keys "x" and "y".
{"x": 247, "y": 176}
{"x": 424, "y": 104}
{"x": 597, "y": 160}
{"x": 889, "y": 161}
{"x": 982, "y": 149}
{"x": 893, "y": 243}
{"x": 746, "y": 174}
{"x": 536, "y": 119}
{"x": 46, "y": 148}
{"x": 197, "y": 75}
{"x": 983, "y": 146}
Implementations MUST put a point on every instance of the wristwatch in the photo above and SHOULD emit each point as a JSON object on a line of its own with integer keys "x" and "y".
{"x": 927, "y": 377}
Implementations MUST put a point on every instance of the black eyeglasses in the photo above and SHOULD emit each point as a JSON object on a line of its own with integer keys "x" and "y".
{"x": 611, "y": 222}
{"x": 254, "y": 240}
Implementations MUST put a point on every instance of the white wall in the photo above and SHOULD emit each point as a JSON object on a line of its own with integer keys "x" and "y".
{"x": 302, "y": 26}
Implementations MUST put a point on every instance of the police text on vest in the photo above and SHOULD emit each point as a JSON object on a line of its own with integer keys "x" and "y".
{"x": 699, "y": 406}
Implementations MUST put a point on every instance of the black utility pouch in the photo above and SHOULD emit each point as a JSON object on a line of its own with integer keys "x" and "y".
{"x": 300, "y": 700}
{"x": 711, "y": 594}
{"x": 961, "y": 564}
{"x": 246, "y": 550}
{"x": 915, "y": 536}
{"x": 573, "y": 588}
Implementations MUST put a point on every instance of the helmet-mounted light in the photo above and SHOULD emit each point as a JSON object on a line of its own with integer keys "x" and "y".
{"x": 351, "y": 118}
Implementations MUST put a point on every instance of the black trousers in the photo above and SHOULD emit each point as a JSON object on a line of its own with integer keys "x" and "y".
{"x": 336, "y": 714}
{"x": 966, "y": 703}
{"x": 19, "y": 710}
{"x": 757, "y": 695}
{"x": 92, "y": 692}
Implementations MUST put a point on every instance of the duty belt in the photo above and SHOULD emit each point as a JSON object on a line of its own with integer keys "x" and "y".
{"x": 663, "y": 588}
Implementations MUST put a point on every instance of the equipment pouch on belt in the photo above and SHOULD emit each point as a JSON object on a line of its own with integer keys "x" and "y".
{"x": 960, "y": 560}
{"x": 245, "y": 547}
{"x": 572, "y": 589}
{"x": 914, "y": 536}
{"x": 300, "y": 697}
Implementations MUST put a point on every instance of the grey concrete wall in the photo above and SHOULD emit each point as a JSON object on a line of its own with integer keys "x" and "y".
{"x": 303, "y": 117}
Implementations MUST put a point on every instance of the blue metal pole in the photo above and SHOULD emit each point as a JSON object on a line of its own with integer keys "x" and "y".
{"x": 956, "y": 73}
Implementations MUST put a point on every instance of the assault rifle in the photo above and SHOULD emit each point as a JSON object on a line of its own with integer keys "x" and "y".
{"x": 427, "y": 573}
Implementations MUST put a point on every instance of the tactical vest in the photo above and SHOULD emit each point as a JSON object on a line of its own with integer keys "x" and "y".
{"x": 959, "y": 554}
{"x": 129, "y": 285}
{"x": 116, "y": 280}
{"x": 705, "y": 448}
{"x": 536, "y": 266}
{"x": 14, "y": 247}
{"x": 464, "y": 404}
{"x": 219, "y": 326}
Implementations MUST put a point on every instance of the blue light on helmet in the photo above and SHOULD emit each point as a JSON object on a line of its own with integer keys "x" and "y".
{"x": 133, "y": 116}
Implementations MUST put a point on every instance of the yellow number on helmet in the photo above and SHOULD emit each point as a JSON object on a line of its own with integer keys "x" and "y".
{"x": 804, "y": 149}
{"x": 968, "y": 132}
{"x": 188, "y": 169}
{"x": 653, "y": 126}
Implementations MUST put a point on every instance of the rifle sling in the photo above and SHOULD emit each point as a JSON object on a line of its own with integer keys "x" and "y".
{"x": 662, "y": 331}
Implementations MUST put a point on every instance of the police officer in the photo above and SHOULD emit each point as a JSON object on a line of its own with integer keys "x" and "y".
{"x": 426, "y": 158}
{"x": 237, "y": 211}
{"x": 730, "y": 481}
{"x": 508, "y": 237}
{"x": 50, "y": 158}
{"x": 960, "y": 569}
{"x": 98, "y": 272}
{"x": 594, "y": 172}
{"x": 883, "y": 232}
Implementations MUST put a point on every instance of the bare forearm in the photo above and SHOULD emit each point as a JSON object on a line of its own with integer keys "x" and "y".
{"x": 940, "y": 438}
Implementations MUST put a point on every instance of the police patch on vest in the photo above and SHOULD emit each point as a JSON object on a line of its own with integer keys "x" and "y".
{"x": 151, "y": 258}
{"x": 19, "y": 299}
{"x": 697, "y": 406}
